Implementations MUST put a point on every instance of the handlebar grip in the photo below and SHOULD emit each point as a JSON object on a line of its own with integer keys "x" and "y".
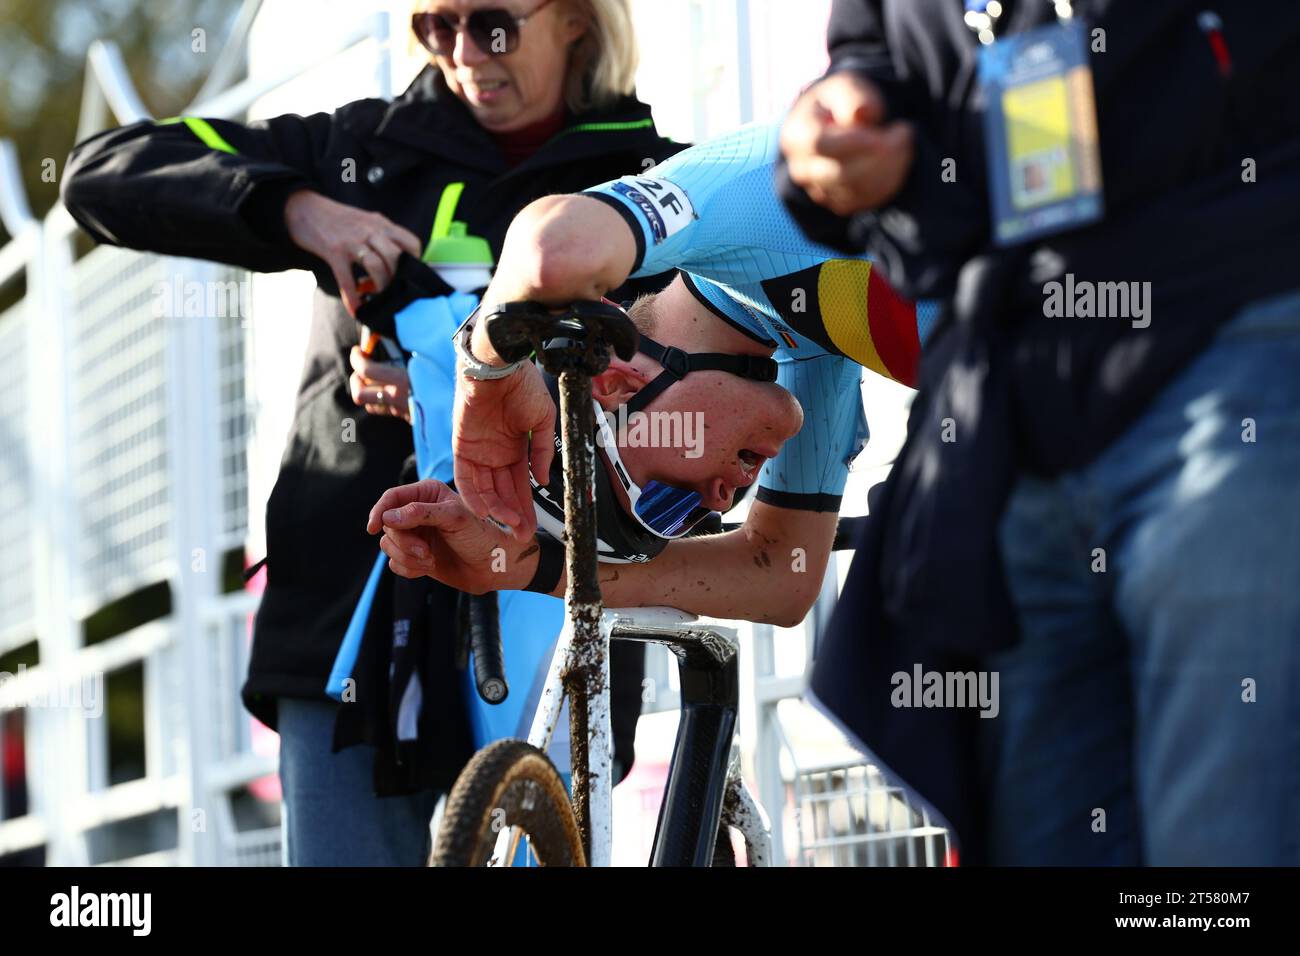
{"x": 485, "y": 642}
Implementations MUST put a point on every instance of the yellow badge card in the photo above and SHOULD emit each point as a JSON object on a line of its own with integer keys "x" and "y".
{"x": 1040, "y": 133}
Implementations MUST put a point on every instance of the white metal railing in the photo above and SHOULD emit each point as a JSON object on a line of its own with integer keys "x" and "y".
{"x": 127, "y": 469}
{"x": 850, "y": 814}
{"x": 17, "y": 607}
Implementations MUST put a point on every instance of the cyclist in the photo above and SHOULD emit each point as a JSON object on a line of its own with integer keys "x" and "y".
{"x": 763, "y": 334}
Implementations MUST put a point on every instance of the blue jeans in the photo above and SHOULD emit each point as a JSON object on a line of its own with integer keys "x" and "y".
{"x": 331, "y": 814}
{"x": 1151, "y": 712}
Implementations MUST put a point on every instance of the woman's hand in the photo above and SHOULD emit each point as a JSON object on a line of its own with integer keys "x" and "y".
{"x": 343, "y": 235}
{"x": 498, "y": 429}
{"x": 379, "y": 387}
{"x": 839, "y": 149}
{"x": 429, "y": 531}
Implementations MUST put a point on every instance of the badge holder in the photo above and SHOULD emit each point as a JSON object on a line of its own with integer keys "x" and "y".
{"x": 1040, "y": 126}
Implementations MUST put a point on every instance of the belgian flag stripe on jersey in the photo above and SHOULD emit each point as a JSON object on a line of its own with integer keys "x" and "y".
{"x": 847, "y": 309}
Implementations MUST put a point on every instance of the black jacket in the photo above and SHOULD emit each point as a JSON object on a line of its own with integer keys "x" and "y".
{"x": 1174, "y": 134}
{"x": 1026, "y": 392}
{"x": 157, "y": 186}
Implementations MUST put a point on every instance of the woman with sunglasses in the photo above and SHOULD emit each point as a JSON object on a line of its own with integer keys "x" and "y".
{"x": 520, "y": 99}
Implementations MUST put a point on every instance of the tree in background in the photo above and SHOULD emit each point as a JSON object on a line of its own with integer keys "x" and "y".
{"x": 43, "y": 46}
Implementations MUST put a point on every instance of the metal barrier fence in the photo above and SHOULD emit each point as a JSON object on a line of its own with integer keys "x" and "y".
{"x": 149, "y": 487}
{"x": 16, "y": 576}
{"x": 123, "y": 435}
{"x": 849, "y": 814}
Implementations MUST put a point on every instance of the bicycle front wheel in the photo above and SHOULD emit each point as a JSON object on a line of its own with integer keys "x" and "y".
{"x": 509, "y": 785}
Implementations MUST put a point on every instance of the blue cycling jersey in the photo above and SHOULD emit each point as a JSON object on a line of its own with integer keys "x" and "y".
{"x": 712, "y": 212}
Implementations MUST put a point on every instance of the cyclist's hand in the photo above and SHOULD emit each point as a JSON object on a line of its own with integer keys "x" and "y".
{"x": 499, "y": 428}
{"x": 428, "y": 531}
{"x": 839, "y": 149}
{"x": 379, "y": 387}
{"x": 343, "y": 235}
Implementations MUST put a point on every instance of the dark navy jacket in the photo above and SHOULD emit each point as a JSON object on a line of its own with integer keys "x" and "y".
{"x": 1180, "y": 127}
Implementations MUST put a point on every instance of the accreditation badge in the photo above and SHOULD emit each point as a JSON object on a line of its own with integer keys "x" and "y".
{"x": 1040, "y": 132}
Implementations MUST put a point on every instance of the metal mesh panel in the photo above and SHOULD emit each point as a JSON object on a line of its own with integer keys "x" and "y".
{"x": 850, "y": 815}
{"x": 16, "y": 580}
{"x": 258, "y": 847}
{"x": 234, "y": 418}
{"x": 119, "y": 423}
{"x": 223, "y": 662}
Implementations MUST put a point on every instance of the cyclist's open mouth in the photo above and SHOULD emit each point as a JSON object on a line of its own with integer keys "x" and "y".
{"x": 750, "y": 463}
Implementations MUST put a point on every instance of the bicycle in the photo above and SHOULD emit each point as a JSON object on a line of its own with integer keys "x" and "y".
{"x": 510, "y": 801}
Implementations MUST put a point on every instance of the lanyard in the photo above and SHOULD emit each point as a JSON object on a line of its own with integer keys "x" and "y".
{"x": 982, "y": 16}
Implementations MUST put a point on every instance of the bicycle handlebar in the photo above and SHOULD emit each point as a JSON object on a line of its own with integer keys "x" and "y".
{"x": 485, "y": 641}
{"x": 581, "y": 334}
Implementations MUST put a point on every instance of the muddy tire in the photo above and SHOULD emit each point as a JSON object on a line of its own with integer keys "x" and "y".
{"x": 507, "y": 784}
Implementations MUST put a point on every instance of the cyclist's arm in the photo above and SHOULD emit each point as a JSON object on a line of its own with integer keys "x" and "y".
{"x": 770, "y": 570}
{"x": 692, "y": 212}
{"x": 558, "y": 249}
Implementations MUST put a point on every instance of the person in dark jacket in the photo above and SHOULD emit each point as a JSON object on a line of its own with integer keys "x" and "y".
{"x": 520, "y": 100}
{"x": 1113, "y": 525}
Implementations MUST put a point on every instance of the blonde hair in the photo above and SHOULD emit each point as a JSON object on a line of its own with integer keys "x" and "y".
{"x": 644, "y": 312}
{"x": 603, "y": 61}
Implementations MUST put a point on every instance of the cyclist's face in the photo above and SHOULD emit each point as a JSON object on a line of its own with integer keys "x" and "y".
{"x": 510, "y": 91}
{"x": 711, "y": 433}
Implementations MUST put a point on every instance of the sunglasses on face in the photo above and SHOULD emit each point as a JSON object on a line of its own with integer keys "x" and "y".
{"x": 495, "y": 31}
{"x": 663, "y": 510}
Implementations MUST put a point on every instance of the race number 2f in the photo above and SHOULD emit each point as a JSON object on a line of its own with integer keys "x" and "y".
{"x": 664, "y": 204}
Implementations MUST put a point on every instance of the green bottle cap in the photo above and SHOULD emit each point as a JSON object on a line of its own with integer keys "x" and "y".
{"x": 458, "y": 248}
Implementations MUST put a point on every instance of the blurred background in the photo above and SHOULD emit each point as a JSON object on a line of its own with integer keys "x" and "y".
{"x": 137, "y": 452}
